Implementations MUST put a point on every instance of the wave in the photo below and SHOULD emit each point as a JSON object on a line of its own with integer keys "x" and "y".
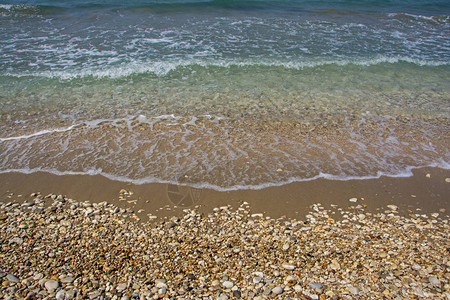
{"x": 139, "y": 139}
{"x": 406, "y": 172}
{"x": 163, "y": 68}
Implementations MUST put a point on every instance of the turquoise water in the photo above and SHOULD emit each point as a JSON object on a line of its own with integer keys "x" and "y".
{"x": 225, "y": 94}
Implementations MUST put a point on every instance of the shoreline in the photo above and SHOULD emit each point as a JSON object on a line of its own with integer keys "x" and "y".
{"x": 426, "y": 191}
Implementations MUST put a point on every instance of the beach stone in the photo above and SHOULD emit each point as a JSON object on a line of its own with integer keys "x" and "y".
{"x": 434, "y": 281}
{"x": 277, "y": 290}
{"x": 60, "y": 295}
{"x": 353, "y": 290}
{"x": 228, "y": 284}
{"x": 316, "y": 285}
{"x": 51, "y": 285}
{"x": 215, "y": 283}
{"x": 285, "y": 246}
{"x": 122, "y": 286}
{"x": 447, "y": 180}
{"x": 16, "y": 240}
{"x": 70, "y": 294}
{"x": 288, "y": 267}
{"x": 298, "y": 288}
{"x": 290, "y": 279}
{"x": 171, "y": 225}
{"x": 11, "y": 278}
{"x": 94, "y": 295}
{"x": 353, "y": 200}
{"x": 162, "y": 291}
{"x": 67, "y": 279}
{"x": 335, "y": 265}
{"x": 257, "y": 279}
{"x": 392, "y": 207}
{"x": 237, "y": 294}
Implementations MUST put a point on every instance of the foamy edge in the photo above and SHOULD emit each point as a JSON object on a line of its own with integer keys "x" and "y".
{"x": 407, "y": 172}
{"x": 163, "y": 68}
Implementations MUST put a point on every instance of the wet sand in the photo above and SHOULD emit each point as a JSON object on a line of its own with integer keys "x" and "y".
{"x": 425, "y": 192}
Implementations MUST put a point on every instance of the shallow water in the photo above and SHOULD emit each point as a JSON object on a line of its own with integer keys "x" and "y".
{"x": 224, "y": 94}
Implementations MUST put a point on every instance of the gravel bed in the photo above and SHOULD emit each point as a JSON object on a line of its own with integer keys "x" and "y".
{"x": 53, "y": 247}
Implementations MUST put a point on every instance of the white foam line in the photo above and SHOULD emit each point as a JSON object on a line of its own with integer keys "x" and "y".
{"x": 162, "y": 68}
{"x": 42, "y": 132}
{"x": 139, "y": 118}
{"x": 408, "y": 172}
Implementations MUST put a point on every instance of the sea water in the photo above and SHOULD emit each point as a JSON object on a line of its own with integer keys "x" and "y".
{"x": 224, "y": 94}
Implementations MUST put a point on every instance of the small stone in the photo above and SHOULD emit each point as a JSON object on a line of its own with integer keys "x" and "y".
{"x": 447, "y": 180}
{"x": 94, "y": 295}
{"x": 288, "y": 267}
{"x": 428, "y": 175}
{"x": 162, "y": 291}
{"x": 237, "y": 294}
{"x": 60, "y": 295}
{"x": 70, "y": 294}
{"x": 353, "y": 199}
{"x": 257, "y": 279}
{"x": 3, "y": 217}
{"x": 392, "y": 207}
{"x": 51, "y": 285}
{"x": 285, "y": 246}
{"x": 228, "y": 284}
{"x": 67, "y": 279}
{"x": 290, "y": 279}
{"x": 171, "y": 225}
{"x": 122, "y": 286}
{"x": 316, "y": 285}
{"x": 298, "y": 288}
{"x": 353, "y": 290}
{"x": 277, "y": 290}
{"x": 215, "y": 283}
{"x": 11, "y": 278}
{"x": 434, "y": 281}
{"x": 335, "y": 265}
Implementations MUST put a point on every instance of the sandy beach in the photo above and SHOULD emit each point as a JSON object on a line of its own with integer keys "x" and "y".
{"x": 364, "y": 239}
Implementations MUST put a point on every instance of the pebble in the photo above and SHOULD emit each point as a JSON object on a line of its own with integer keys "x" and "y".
{"x": 51, "y": 285}
{"x": 353, "y": 290}
{"x": 447, "y": 180}
{"x": 316, "y": 285}
{"x": 335, "y": 265}
{"x": 277, "y": 290}
{"x": 257, "y": 279}
{"x": 11, "y": 278}
{"x": 228, "y": 284}
{"x": 353, "y": 199}
{"x": 287, "y": 266}
{"x": 60, "y": 295}
{"x": 392, "y": 207}
{"x": 434, "y": 281}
